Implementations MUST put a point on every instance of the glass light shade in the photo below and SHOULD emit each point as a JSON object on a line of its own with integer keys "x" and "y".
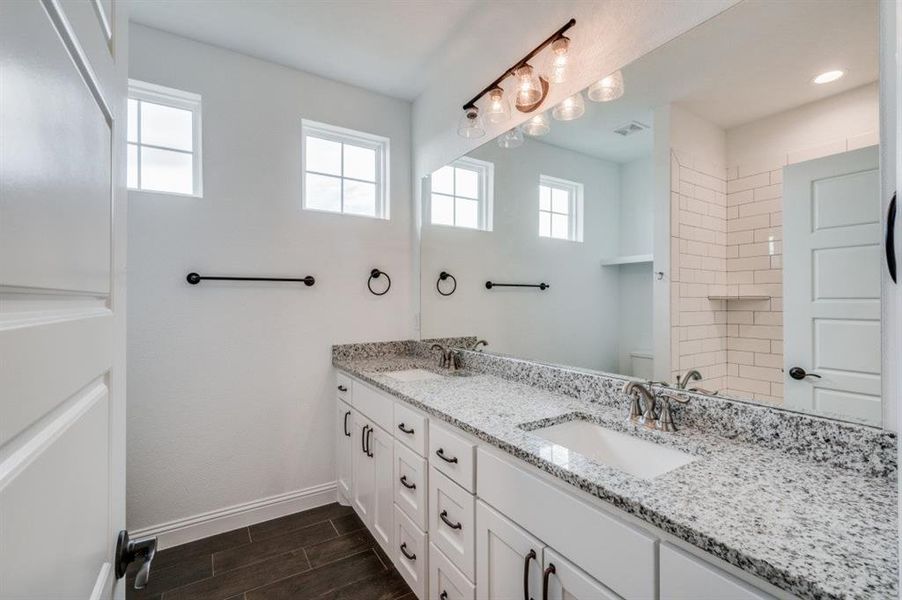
{"x": 558, "y": 61}
{"x": 537, "y": 126}
{"x": 570, "y": 108}
{"x": 470, "y": 124}
{"x": 511, "y": 138}
{"x": 607, "y": 89}
{"x": 529, "y": 88}
{"x": 497, "y": 108}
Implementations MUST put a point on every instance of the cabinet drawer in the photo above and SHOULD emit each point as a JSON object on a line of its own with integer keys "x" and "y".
{"x": 452, "y": 522}
{"x": 445, "y": 580}
{"x": 685, "y": 577}
{"x": 618, "y": 555}
{"x": 410, "y": 555}
{"x": 410, "y": 428}
{"x": 344, "y": 385}
{"x": 452, "y": 455}
{"x": 410, "y": 484}
{"x": 375, "y": 405}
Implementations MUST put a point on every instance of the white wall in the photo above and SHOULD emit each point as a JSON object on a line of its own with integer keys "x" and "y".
{"x": 230, "y": 386}
{"x": 575, "y": 322}
{"x": 636, "y": 237}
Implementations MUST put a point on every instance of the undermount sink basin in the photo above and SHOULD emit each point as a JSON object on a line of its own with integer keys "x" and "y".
{"x": 619, "y": 450}
{"x": 413, "y": 375}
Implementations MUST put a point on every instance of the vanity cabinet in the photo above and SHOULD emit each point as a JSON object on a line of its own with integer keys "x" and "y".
{"x": 463, "y": 520}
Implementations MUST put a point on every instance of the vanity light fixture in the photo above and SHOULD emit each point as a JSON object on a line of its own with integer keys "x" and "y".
{"x": 530, "y": 91}
{"x": 607, "y": 88}
{"x": 498, "y": 109}
{"x": 512, "y": 138}
{"x": 537, "y": 126}
{"x": 570, "y": 108}
{"x": 470, "y": 124}
{"x": 828, "y": 76}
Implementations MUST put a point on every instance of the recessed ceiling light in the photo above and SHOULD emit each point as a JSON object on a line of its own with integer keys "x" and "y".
{"x": 828, "y": 76}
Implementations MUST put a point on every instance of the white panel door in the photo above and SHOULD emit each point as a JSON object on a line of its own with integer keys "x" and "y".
{"x": 363, "y": 470}
{"x": 508, "y": 559}
{"x": 382, "y": 447}
{"x": 831, "y": 286}
{"x": 344, "y": 451}
{"x": 62, "y": 298}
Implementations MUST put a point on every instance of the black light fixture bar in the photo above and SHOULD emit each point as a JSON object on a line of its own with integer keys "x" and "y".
{"x": 554, "y": 36}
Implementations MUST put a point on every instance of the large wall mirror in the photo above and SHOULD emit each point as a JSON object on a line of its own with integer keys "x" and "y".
{"x": 721, "y": 215}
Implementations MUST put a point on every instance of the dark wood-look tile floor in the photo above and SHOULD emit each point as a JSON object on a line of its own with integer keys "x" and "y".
{"x": 323, "y": 553}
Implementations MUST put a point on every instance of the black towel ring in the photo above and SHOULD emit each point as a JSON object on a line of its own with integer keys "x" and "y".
{"x": 442, "y": 277}
{"x": 376, "y": 274}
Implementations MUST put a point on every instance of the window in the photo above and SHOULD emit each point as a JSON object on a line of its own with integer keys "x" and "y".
{"x": 560, "y": 209}
{"x": 462, "y": 194}
{"x": 164, "y": 140}
{"x": 344, "y": 171}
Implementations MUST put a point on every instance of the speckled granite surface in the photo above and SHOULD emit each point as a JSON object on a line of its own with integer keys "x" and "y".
{"x": 804, "y": 521}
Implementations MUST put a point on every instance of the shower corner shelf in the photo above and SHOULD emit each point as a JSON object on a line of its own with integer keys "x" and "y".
{"x": 634, "y": 259}
{"x": 740, "y": 297}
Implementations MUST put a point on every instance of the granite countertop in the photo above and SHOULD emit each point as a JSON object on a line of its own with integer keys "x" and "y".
{"x": 812, "y": 529}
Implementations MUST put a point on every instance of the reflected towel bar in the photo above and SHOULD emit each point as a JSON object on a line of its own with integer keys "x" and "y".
{"x": 542, "y": 286}
{"x": 194, "y": 279}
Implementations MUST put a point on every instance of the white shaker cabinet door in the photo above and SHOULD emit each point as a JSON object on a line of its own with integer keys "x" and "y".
{"x": 381, "y": 449}
{"x": 344, "y": 450}
{"x": 363, "y": 470}
{"x": 566, "y": 581}
{"x": 508, "y": 559}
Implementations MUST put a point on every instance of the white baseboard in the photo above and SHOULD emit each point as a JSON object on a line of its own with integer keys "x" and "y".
{"x": 182, "y": 531}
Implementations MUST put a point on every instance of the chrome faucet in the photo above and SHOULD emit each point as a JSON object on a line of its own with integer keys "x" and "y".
{"x": 636, "y": 391}
{"x": 449, "y": 359}
{"x": 665, "y": 423}
{"x": 477, "y": 344}
{"x": 691, "y": 375}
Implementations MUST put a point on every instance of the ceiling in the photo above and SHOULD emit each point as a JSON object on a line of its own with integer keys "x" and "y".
{"x": 753, "y": 60}
{"x": 382, "y": 45}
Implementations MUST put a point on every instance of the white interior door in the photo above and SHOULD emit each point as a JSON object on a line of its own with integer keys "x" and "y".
{"x": 62, "y": 329}
{"x": 831, "y": 285}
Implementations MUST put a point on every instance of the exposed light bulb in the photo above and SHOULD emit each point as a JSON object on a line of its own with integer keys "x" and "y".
{"x": 828, "y": 76}
{"x": 571, "y": 107}
{"x": 470, "y": 124}
{"x": 498, "y": 109}
{"x": 529, "y": 88}
{"x": 511, "y": 139}
{"x": 607, "y": 89}
{"x": 558, "y": 60}
{"x": 537, "y": 125}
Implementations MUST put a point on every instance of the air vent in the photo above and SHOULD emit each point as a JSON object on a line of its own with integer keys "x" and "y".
{"x": 631, "y": 128}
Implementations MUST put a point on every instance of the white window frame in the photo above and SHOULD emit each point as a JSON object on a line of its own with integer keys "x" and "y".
{"x": 486, "y": 171}
{"x": 380, "y": 144}
{"x": 575, "y": 191}
{"x": 158, "y": 94}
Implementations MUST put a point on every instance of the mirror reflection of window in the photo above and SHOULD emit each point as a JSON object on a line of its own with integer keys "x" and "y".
{"x": 461, "y": 194}
{"x": 560, "y": 207}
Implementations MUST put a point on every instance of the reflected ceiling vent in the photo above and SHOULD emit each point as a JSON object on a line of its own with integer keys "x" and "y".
{"x": 631, "y": 128}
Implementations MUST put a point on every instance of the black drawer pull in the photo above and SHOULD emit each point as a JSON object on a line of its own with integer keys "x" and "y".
{"x": 452, "y": 525}
{"x": 545, "y": 576}
{"x": 406, "y": 554}
{"x": 363, "y": 440}
{"x": 891, "y": 238}
{"x": 342, "y": 388}
{"x": 404, "y": 428}
{"x": 441, "y": 454}
{"x": 530, "y": 556}
{"x": 347, "y": 433}
{"x": 407, "y": 484}
{"x": 443, "y": 595}
{"x": 369, "y": 441}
